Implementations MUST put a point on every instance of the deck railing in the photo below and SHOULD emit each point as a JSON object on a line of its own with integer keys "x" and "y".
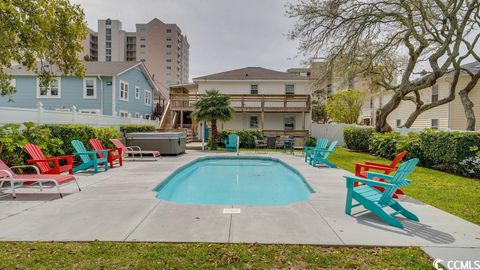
{"x": 249, "y": 103}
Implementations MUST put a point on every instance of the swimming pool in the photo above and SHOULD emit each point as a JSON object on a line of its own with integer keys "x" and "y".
{"x": 235, "y": 181}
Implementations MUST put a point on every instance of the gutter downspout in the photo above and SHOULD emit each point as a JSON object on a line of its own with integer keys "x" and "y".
{"x": 101, "y": 94}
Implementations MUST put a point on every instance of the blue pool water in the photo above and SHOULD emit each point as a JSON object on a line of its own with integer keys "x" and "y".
{"x": 235, "y": 180}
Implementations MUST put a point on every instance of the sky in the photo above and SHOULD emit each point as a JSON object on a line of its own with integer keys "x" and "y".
{"x": 223, "y": 34}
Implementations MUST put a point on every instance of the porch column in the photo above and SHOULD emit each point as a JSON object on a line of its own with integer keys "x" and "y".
{"x": 181, "y": 119}
{"x": 263, "y": 120}
{"x": 303, "y": 123}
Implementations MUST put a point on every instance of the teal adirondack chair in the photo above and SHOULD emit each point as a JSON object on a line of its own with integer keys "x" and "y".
{"x": 89, "y": 158}
{"x": 321, "y": 156}
{"x": 231, "y": 142}
{"x": 374, "y": 200}
{"x": 321, "y": 144}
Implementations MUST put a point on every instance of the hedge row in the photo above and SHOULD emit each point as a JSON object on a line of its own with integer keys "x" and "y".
{"x": 52, "y": 139}
{"x": 136, "y": 128}
{"x": 455, "y": 152}
{"x": 246, "y": 137}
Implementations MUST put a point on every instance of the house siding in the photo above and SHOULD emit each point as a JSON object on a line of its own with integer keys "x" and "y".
{"x": 458, "y": 120}
{"x": 134, "y": 77}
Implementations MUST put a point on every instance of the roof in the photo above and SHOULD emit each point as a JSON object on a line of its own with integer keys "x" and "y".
{"x": 473, "y": 67}
{"x": 252, "y": 73}
{"x": 92, "y": 68}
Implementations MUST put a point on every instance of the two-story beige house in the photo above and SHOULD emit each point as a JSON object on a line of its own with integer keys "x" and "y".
{"x": 273, "y": 101}
{"x": 448, "y": 116}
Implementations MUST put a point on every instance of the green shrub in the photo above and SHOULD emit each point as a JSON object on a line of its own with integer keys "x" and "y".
{"x": 384, "y": 144}
{"x": 357, "y": 138}
{"x": 246, "y": 137}
{"x": 412, "y": 144}
{"x": 445, "y": 150}
{"x": 105, "y": 134}
{"x": 12, "y": 141}
{"x": 69, "y": 132}
{"x": 311, "y": 141}
{"x": 136, "y": 128}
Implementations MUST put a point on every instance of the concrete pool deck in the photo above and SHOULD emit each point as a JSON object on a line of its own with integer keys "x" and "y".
{"x": 119, "y": 205}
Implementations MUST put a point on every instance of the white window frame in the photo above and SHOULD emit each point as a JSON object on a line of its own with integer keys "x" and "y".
{"x": 137, "y": 92}
{"x": 148, "y": 93}
{"x": 250, "y": 121}
{"x": 94, "y": 88}
{"x": 285, "y": 122}
{"x": 148, "y": 116}
{"x": 137, "y": 115}
{"x": 252, "y": 88}
{"x": 120, "y": 90}
{"x": 286, "y": 86}
{"x": 435, "y": 89}
{"x": 438, "y": 123}
{"x": 121, "y": 112}
{"x": 398, "y": 123}
{"x": 59, "y": 81}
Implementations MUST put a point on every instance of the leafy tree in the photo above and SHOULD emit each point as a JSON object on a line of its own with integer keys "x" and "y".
{"x": 319, "y": 112}
{"x": 213, "y": 107}
{"x": 345, "y": 107}
{"x": 49, "y": 31}
{"x": 367, "y": 34}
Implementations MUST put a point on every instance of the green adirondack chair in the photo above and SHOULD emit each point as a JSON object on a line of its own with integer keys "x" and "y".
{"x": 374, "y": 200}
{"x": 321, "y": 144}
{"x": 231, "y": 142}
{"x": 321, "y": 156}
{"x": 89, "y": 158}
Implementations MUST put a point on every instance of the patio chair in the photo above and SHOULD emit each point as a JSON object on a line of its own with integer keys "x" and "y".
{"x": 320, "y": 144}
{"x": 374, "y": 200}
{"x": 298, "y": 143}
{"x": 131, "y": 150}
{"x": 50, "y": 165}
{"x": 7, "y": 175}
{"x": 231, "y": 142}
{"x": 259, "y": 144}
{"x": 90, "y": 159}
{"x": 320, "y": 155}
{"x": 280, "y": 142}
{"x": 113, "y": 153}
{"x": 362, "y": 169}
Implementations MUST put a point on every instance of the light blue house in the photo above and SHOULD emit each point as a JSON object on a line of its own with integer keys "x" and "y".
{"x": 123, "y": 89}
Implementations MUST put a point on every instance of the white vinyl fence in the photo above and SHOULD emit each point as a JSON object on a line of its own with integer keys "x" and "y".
{"x": 10, "y": 115}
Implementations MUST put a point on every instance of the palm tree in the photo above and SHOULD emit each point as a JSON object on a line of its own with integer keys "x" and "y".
{"x": 213, "y": 107}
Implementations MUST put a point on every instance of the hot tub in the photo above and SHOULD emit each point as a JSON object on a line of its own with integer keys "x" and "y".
{"x": 168, "y": 143}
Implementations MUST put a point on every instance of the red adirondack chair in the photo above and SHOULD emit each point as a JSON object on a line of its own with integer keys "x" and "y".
{"x": 361, "y": 169}
{"x": 50, "y": 165}
{"x": 113, "y": 153}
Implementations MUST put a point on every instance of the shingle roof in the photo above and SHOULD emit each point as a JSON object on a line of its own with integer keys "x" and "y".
{"x": 252, "y": 73}
{"x": 92, "y": 68}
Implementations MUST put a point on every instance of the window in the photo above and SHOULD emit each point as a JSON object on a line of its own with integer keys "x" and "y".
{"x": 123, "y": 91}
{"x": 289, "y": 123}
{"x": 435, "y": 93}
{"x": 142, "y": 46}
{"x": 89, "y": 111}
{"x": 399, "y": 123}
{"x": 169, "y": 60}
{"x": 108, "y": 45}
{"x": 90, "y": 88}
{"x": 53, "y": 90}
{"x": 123, "y": 114}
{"x": 169, "y": 38}
{"x": 169, "y": 53}
{"x": 254, "y": 89}
{"x": 137, "y": 93}
{"x": 108, "y": 22}
{"x": 435, "y": 123}
{"x": 253, "y": 121}
{"x": 147, "y": 116}
{"x": 137, "y": 115}
{"x": 289, "y": 89}
{"x": 380, "y": 102}
{"x": 148, "y": 97}
{"x": 142, "y": 38}
{"x": 169, "y": 68}
{"x": 108, "y": 51}
{"x": 169, "y": 46}
{"x": 169, "y": 30}
{"x": 168, "y": 75}
{"x": 108, "y": 58}
{"x": 142, "y": 29}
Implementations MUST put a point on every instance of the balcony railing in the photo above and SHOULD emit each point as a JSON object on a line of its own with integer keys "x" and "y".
{"x": 249, "y": 103}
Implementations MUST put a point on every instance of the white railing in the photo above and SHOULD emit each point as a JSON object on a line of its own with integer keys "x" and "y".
{"x": 11, "y": 115}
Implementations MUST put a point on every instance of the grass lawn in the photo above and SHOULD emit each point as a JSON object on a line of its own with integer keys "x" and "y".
{"x": 108, "y": 255}
{"x": 455, "y": 194}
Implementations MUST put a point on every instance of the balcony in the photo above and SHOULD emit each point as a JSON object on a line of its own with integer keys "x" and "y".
{"x": 250, "y": 103}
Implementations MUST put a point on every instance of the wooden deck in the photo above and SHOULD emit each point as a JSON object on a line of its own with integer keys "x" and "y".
{"x": 249, "y": 103}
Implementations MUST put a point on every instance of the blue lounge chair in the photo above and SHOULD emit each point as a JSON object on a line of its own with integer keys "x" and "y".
{"x": 89, "y": 158}
{"x": 321, "y": 155}
{"x": 374, "y": 200}
{"x": 321, "y": 144}
{"x": 231, "y": 142}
